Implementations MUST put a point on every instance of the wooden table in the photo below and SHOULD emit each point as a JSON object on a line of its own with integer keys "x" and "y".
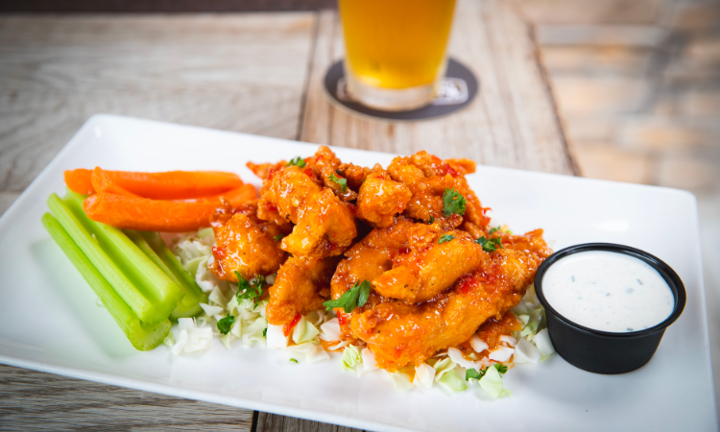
{"x": 256, "y": 73}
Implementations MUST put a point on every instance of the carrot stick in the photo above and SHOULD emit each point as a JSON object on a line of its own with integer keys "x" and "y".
{"x": 144, "y": 214}
{"x": 102, "y": 183}
{"x": 169, "y": 185}
{"x": 79, "y": 181}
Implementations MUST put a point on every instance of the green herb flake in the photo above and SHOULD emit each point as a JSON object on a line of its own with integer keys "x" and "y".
{"x": 278, "y": 238}
{"x": 490, "y": 245}
{"x": 453, "y": 202}
{"x": 225, "y": 324}
{"x": 353, "y": 298}
{"x": 293, "y": 360}
{"x": 445, "y": 238}
{"x": 432, "y": 220}
{"x": 265, "y": 333}
{"x": 298, "y": 162}
{"x": 341, "y": 181}
{"x": 252, "y": 291}
{"x": 474, "y": 374}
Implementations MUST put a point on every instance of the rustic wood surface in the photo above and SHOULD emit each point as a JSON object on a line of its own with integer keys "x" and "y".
{"x": 258, "y": 73}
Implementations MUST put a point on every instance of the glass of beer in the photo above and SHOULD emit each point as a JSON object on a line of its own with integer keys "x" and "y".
{"x": 395, "y": 51}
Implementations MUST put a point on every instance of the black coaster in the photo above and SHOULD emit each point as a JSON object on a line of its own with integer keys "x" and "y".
{"x": 458, "y": 89}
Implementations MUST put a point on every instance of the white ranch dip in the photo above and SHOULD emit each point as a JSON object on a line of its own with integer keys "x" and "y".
{"x": 608, "y": 291}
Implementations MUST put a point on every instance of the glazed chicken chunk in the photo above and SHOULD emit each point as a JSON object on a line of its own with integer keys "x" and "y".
{"x": 323, "y": 224}
{"x": 400, "y": 334}
{"x": 245, "y": 244}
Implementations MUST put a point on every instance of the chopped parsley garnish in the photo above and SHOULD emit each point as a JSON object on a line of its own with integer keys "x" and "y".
{"x": 341, "y": 181}
{"x": 490, "y": 245}
{"x": 453, "y": 202}
{"x": 278, "y": 238}
{"x": 445, "y": 238}
{"x": 265, "y": 333}
{"x": 473, "y": 374}
{"x": 298, "y": 162}
{"x": 492, "y": 230}
{"x": 225, "y": 324}
{"x": 355, "y": 297}
{"x": 293, "y": 360}
{"x": 250, "y": 290}
{"x": 432, "y": 220}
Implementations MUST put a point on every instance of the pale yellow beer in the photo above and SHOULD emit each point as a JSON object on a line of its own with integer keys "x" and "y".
{"x": 396, "y": 45}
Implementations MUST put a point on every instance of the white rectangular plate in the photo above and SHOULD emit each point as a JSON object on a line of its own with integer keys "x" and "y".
{"x": 49, "y": 320}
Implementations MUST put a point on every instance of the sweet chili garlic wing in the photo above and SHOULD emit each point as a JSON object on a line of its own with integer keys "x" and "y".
{"x": 324, "y": 225}
{"x": 244, "y": 243}
{"x": 409, "y": 261}
{"x": 400, "y": 334}
{"x": 380, "y": 198}
{"x": 428, "y": 178}
{"x": 301, "y": 286}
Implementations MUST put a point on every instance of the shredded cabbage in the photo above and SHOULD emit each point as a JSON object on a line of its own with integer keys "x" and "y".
{"x": 502, "y": 354}
{"x": 424, "y": 376}
{"x": 351, "y": 358}
{"x": 276, "y": 338}
{"x": 526, "y": 352}
{"x": 478, "y": 344}
{"x": 452, "y": 382}
{"x": 330, "y": 331}
{"x": 304, "y": 331}
{"x": 543, "y": 343}
{"x": 492, "y": 383}
{"x": 401, "y": 381}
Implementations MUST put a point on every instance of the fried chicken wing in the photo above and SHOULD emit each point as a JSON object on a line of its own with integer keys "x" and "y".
{"x": 301, "y": 286}
{"x": 324, "y": 225}
{"x": 399, "y": 334}
{"x": 428, "y": 177}
{"x": 381, "y": 198}
{"x": 410, "y": 263}
{"x": 245, "y": 244}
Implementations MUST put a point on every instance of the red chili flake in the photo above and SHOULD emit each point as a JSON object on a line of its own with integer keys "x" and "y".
{"x": 218, "y": 252}
{"x": 288, "y": 327}
{"x": 309, "y": 172}
{"x": 342, "y": 318}
{"x": 271, "y": 172}
{"x": 271, "y": 208}
{"x": 466, "y": 284}
{"x": 450, "y": 170}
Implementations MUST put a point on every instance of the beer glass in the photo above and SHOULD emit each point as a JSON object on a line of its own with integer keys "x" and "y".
{"x": 395, "y": 50}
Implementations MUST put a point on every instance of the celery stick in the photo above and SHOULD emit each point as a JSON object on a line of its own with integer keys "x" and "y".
{"x": 148, "y": 278}
{"x": 162, "y": 256}
{"x": 142, "y": 336}
{"x": 100, "y": 259}
{"x": 190, "y": 303}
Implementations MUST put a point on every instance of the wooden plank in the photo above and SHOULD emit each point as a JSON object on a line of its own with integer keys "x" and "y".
{"x": 154, "y": 6}
{"x": 238, "y": 72}
{"x": 513, "y": 122}
{"x": 271, "y": 423}
{"x": 31, "y": 400}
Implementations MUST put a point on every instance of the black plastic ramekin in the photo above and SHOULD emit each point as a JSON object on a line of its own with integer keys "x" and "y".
{"x": 601, "y": 351}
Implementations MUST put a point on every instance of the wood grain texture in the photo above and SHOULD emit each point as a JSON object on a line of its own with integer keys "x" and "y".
{"x": 247, "y": 73}
{"x": 270, "y": 423}
{"x": 36, "y": 401}
{"x": 238, "y": 72}
{"x": 513, "y": 122}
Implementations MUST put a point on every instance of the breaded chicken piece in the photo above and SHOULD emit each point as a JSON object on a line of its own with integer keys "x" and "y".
{"x": 244, "y": 243}
{"x": 400, "y": 334}
{"x": 428, "y": 177}
{"x": 301, "y": 286}
{"x": 381, "y": 198}
{"x": 326, "y": 167}
{"x": 324, "y": 225}
{"x": 407, "y": 261}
